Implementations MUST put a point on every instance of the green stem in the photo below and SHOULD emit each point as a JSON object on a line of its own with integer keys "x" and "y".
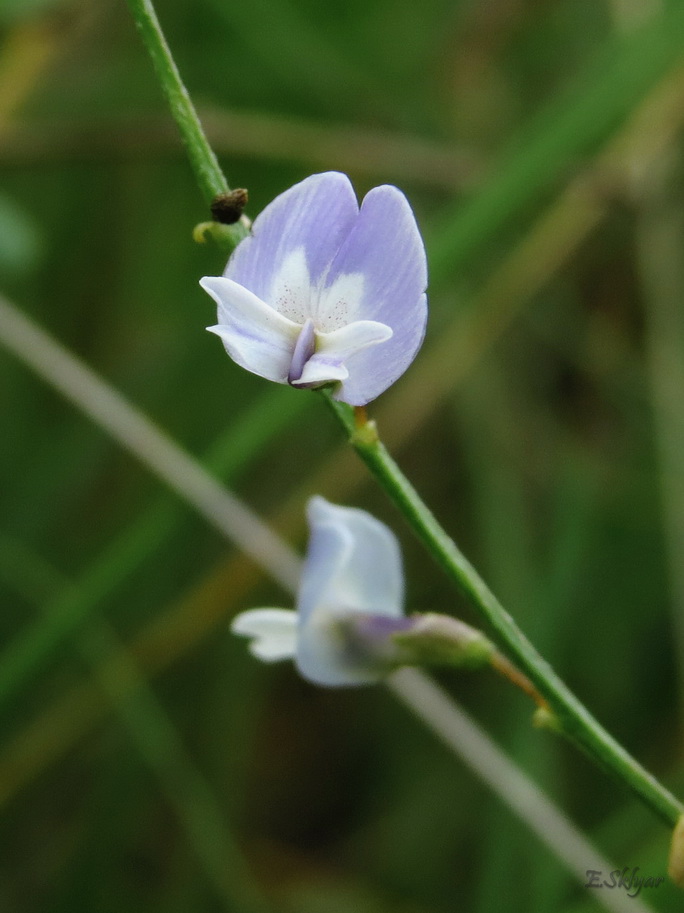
{"x": 573, "y": 719}
{"x": 204, "y": 163}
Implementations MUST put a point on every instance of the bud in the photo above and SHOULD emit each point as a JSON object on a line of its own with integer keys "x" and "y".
{"x": 440, "y": 640}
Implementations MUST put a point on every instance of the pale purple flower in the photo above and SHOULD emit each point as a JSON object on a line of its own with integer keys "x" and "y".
{"x": 325, "y": 293}
{"x": 349, "y": 604}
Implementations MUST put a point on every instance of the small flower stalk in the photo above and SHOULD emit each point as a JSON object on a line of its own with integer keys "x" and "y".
{"x": 349, "y": 627}
{"x": 323, "y": 293}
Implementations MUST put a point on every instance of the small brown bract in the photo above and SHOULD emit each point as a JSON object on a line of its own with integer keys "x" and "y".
{"x": 226, "y": 208}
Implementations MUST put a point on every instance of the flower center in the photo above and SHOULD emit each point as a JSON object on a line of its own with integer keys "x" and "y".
{"x": 303, "y": 350}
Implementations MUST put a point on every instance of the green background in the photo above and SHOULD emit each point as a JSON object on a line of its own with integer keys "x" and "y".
{"x": 539, "y": 143}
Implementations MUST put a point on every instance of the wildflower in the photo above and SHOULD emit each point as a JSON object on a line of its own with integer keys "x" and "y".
{"x": 324, "y": 293}
{"x": 349, "y": 627}
{"x": 350, "y": 599}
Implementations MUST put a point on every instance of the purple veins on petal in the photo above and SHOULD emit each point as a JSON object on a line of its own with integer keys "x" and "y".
{"x": 385, "y": 247}
{"x": 315, "y": 215}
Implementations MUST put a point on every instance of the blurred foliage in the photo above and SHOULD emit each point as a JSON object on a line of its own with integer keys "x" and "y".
{"x": 543, "y": 420}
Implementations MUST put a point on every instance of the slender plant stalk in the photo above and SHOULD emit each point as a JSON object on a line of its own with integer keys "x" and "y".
{"x": 204, "y": 163}
{"x": 569, "y": 715}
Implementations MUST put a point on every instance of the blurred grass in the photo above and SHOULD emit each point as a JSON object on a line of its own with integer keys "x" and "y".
{"x": 542, "y": 459}
{"x": 120, "y": 679}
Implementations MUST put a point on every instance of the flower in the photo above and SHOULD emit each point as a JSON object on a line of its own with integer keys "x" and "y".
{"x": 349, "y": 627}
{"x": 349, "y": 602}
{"x": 324, "y": 293}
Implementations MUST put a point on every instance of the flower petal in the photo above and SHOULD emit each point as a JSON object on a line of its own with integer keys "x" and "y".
{"x": 303, "y": 350}
{"x": 347, "y": 341}
{"x": 329, "y": 549}
{"x": 353, "y": 565}
{"x": 254, "y": 335}
{"x": 384, "y": 246}
{"x": 323, "y": 655}
{"x": 367, "y": 575}
{"x": 334, "y": 306}
{"x": 291, "y": 293}
{"x": 327, "y": 364}
{"x": 274, "y": 632}
{"x": 315, "y": 215}
{"x": 320, "y": 370}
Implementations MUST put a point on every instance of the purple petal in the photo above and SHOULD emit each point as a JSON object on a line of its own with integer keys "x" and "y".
{"x": 385, "y": 247}
{"x": 306, "y": 346}
{"x": 254, "y": 335}
{"x": 315, "y": 215}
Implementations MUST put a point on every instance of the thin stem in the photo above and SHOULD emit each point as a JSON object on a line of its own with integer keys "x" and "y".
{"x": 512, "y": 674}
{"x": 207, "y": 170}
{"x": 573, "y": 719}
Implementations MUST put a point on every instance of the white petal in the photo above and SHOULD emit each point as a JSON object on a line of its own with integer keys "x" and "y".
{"x": 369, "y": 576}
{"x": 328, "y": 551}
{"x": 348, "y": 340}
{"x": 332, "y": 350}
{"x": 274, "y": 632}
{"x": 319, "y": 370}
{"x": 322, "y": 657}
{"x": 290, "y": 293}
{"x": 353, "y": 564}
{"x": 255, "y": 335}
{"x": 340, "y": 303}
